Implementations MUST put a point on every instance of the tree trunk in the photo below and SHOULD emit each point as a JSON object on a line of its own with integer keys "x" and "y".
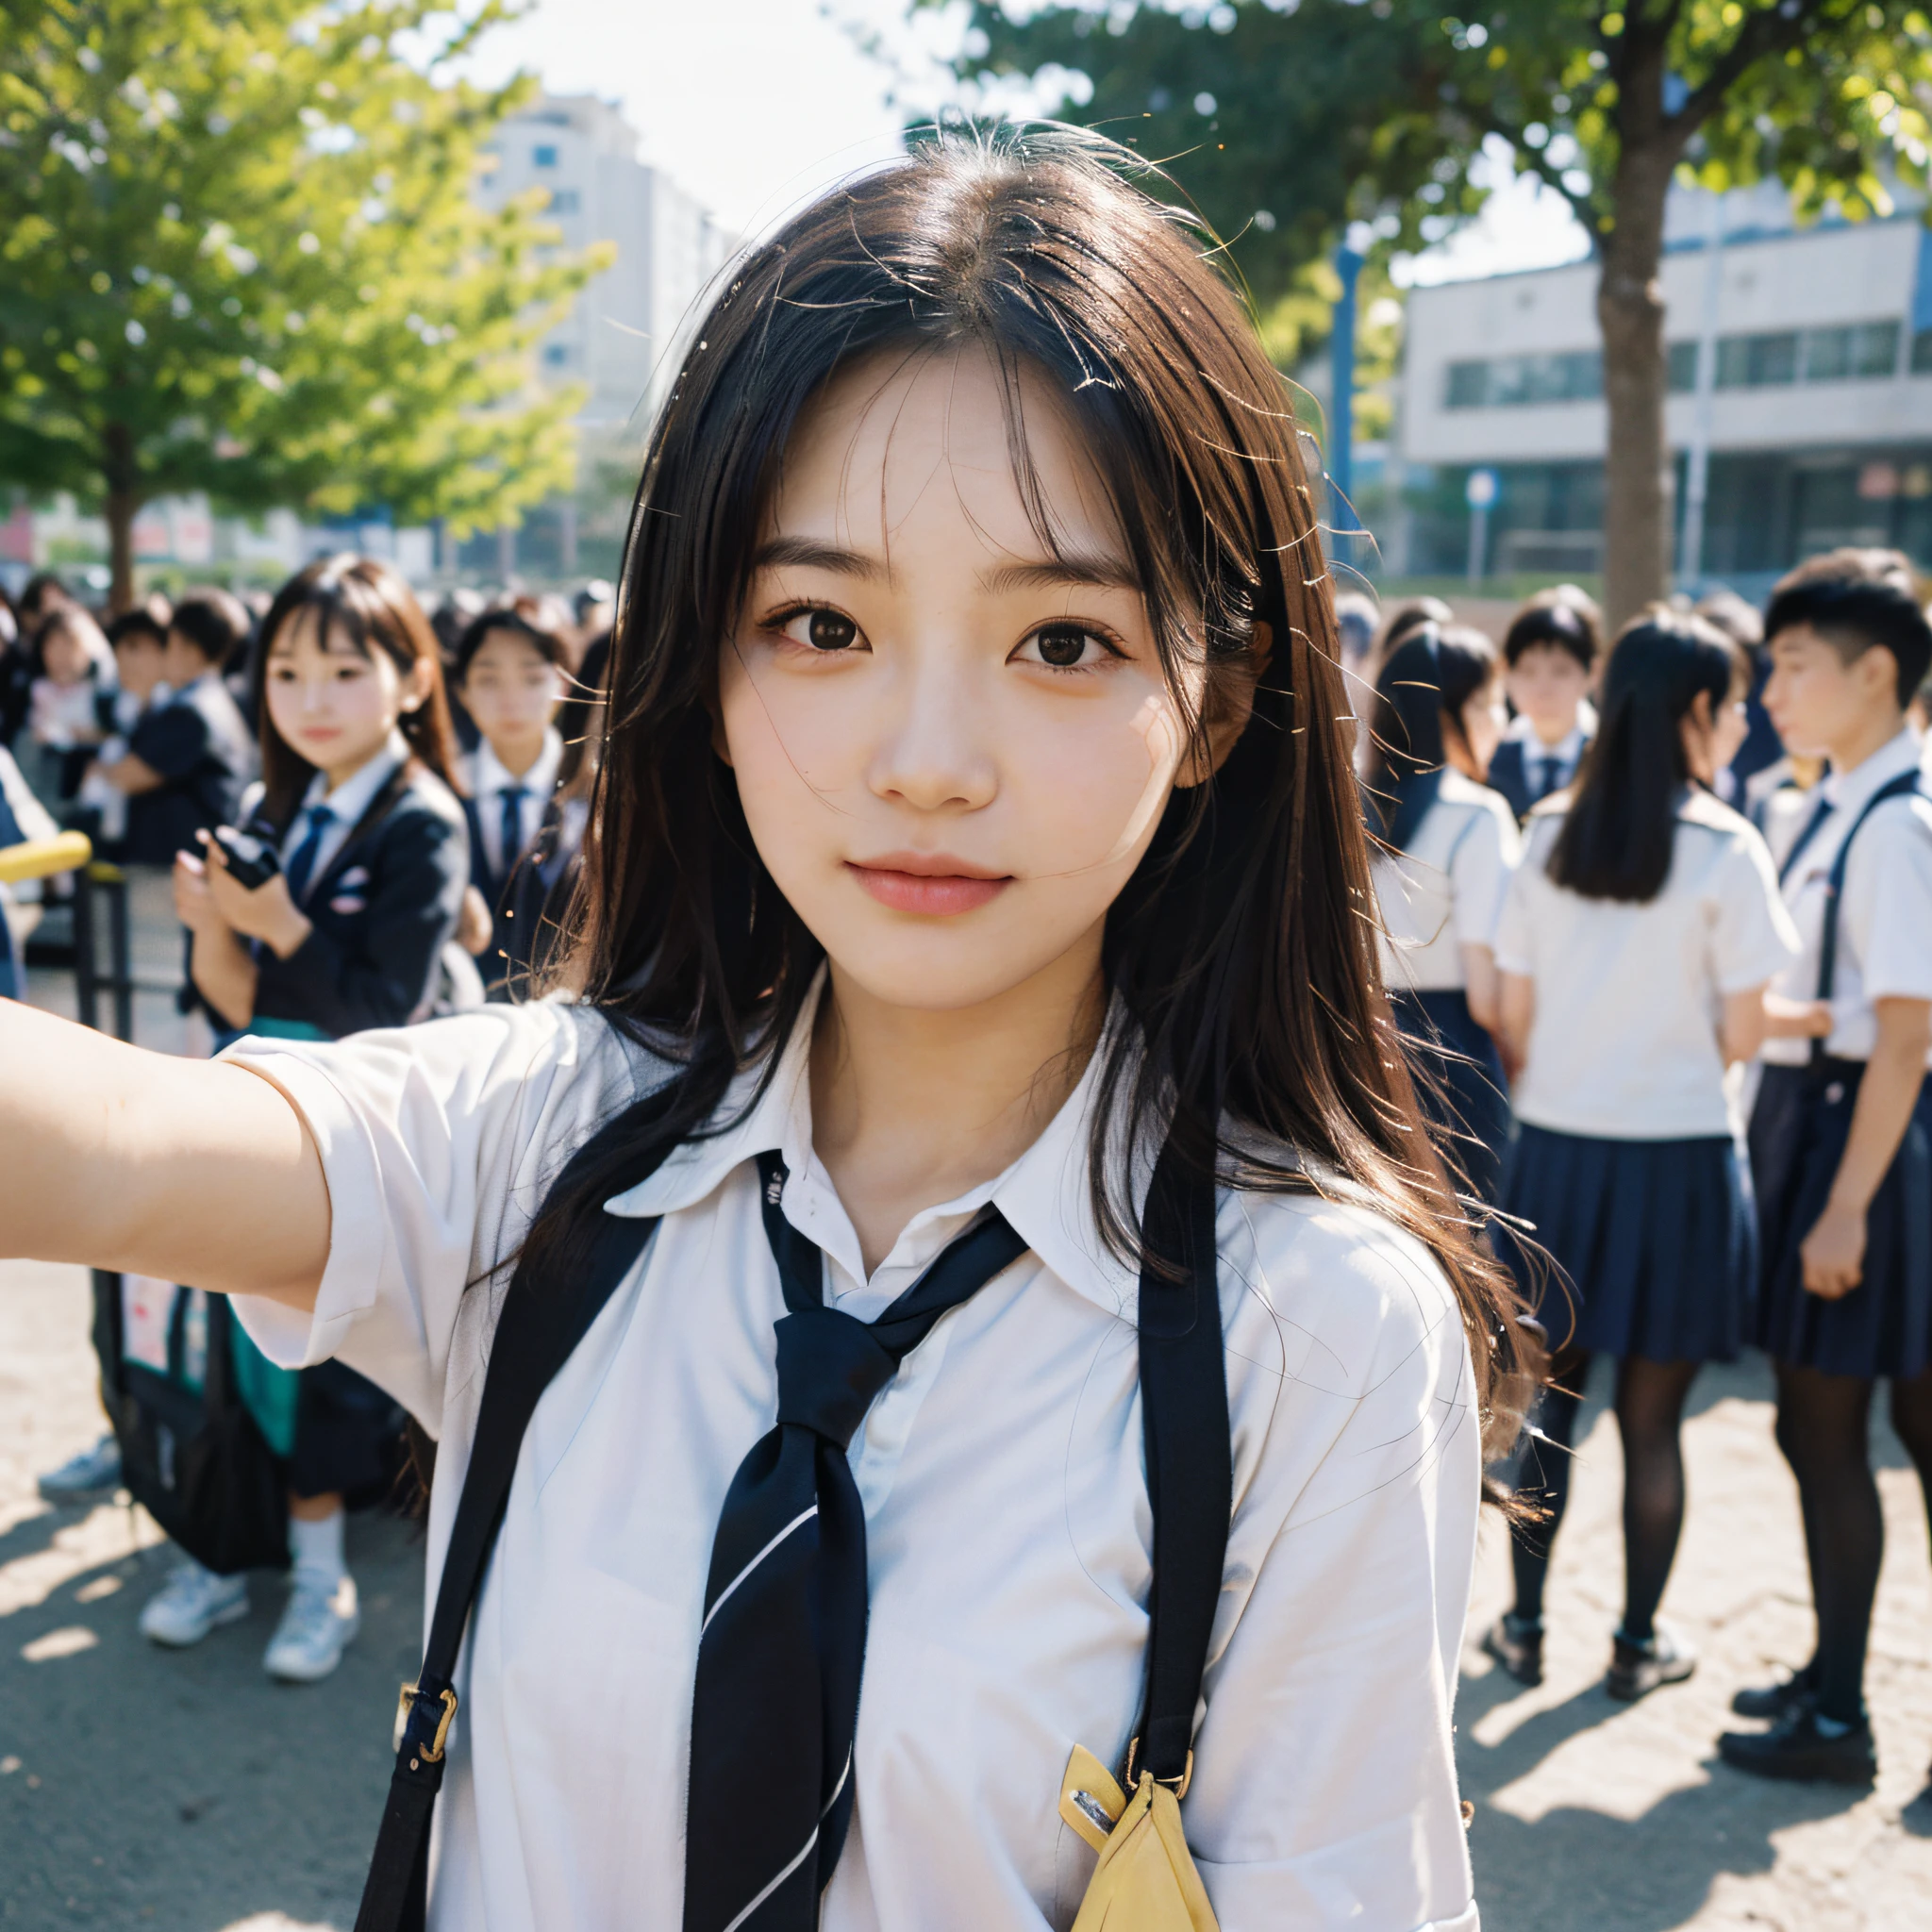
{"x": 123, "y": 502}
{"x": 1630, "y": 313}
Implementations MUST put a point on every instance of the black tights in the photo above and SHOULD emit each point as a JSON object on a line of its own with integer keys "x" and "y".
{"x": 1823, "y": 1424}
{"x": 1650, "y": 1413}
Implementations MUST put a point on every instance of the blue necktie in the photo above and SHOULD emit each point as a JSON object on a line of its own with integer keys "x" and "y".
{"x": 512, "y": 832}
{"x": 783, "y": 1643}
{"x": 302, "y": 863}
{"x": 1545, "y": 781}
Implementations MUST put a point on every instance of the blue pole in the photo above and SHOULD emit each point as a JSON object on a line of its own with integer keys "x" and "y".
{"x": 1348, "y": 265}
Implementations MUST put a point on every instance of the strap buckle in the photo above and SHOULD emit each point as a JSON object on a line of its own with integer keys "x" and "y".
{"x": 1177, "y": 1785}
{"x": 406, "y": 1704}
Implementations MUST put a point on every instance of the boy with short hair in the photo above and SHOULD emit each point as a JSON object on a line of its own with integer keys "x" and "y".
{"x": 1550, "y": 657}
{"x": 1841, "y": 1130}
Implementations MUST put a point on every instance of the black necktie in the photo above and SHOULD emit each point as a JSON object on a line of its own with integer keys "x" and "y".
{"x": 783, "y": 1643}
{"x": 302, "y": 860}
{"x": 1545, "y": 780}
{"x": 511, "y": 832}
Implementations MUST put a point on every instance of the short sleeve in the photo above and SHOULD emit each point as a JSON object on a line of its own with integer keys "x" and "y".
{"x": 1752, "y": 938}
{"x": 1485, "y": 854}
{"x": 171, "y": 739}
{"x": 1516, "y": 926}
{"x": 1324, "y": 1789}
{"x": 437, "y": 1143}
{"x": 1888, "y": 902}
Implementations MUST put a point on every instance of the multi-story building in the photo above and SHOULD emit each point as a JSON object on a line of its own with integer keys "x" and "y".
{"x": 1814, "y": 412}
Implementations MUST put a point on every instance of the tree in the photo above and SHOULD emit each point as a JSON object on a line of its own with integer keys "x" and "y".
{"x": 1606, "y": 101}
{"x": 239, "y": 252}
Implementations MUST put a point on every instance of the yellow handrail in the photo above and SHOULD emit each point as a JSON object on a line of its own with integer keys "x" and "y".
{"x": 36, "y": 859}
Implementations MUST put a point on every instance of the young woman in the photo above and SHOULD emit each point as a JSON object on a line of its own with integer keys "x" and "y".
{"x": 1449, "y": 845}
{"x": 356, "y": 798}
{"x": 975, "y": 830}
{"x": 1635, "y": 947}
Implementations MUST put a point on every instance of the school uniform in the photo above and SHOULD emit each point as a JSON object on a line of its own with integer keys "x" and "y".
{"x": 1868, "y": 939}
{"x": 197, "y": 740}
{"x": 1445, "y": 891}
{"x": 1526, "y": 772}
{"x": 1627, "y": 1162}
{"x": 379, "y": 866}
{"x": 516, "y": 853}
{"x": 1002, "y": 1480}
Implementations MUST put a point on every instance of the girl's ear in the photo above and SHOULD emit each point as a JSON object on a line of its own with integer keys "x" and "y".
{"x": 415, "y": 687}
{"x": 1230, "y": 704}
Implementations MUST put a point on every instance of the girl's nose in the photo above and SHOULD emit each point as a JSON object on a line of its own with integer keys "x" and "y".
{"x": 933, "y": 754}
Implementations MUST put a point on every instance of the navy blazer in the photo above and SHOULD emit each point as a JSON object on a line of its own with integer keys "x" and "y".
{"x": 381, "y": 914}
{"x": 1510, "y": 775}
{"x": 519, "y": 898}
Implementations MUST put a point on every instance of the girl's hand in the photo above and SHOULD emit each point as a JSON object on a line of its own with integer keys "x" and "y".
{"x": 1833, "y": 1254}
{"x": 194, "y": 904}
{"x": 474, "y": 927}
{"x": 1788, "y": 1018}
{"x": 267, "y": 913}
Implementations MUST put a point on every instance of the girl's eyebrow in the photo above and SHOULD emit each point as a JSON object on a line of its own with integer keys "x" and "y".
{"x": 1097, "y": 572}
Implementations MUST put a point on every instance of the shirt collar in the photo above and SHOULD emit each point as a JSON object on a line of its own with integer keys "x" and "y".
{"x": 1045, "y": 1193}
{"x": 490, "y": 775}
{"x": 357, "y": 792}
{"x": 1566, "y": 751}
{"x": 1849, "y": 791}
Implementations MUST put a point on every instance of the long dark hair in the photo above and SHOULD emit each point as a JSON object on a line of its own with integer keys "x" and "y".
{"x": 1620, "y": 825}
{"x": 1243, "y": 950}
{"x": 368, "y": 603}
{"x": 1420, "y": 698}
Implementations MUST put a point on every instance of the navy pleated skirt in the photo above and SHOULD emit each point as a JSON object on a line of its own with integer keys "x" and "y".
{"x": 1649, "y": 1246}
{"x": 1799, "y": 1128}
{"x": 1458, "y": 1081}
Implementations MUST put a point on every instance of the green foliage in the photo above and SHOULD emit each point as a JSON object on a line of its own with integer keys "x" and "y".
{"x": 239, "y": 252}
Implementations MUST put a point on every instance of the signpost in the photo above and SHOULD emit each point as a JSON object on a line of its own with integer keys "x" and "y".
{"x": 1348, "y": 265}
{"x": 1480, "y": 493}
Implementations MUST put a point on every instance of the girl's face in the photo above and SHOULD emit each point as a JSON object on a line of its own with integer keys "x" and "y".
{"x": 333, "y": 705}
{"x": 1484, "y": 721}
{"x": 951, "y": 746}
{"x": 511, "y": 690}
{"x": 64, "y": 653}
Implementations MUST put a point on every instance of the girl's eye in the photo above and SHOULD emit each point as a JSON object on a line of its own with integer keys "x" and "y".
{"x": 820, "y": 628}
{"x": 1065, "y": 647}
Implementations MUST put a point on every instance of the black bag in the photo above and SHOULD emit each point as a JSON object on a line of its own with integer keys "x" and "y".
{"x": 192, "y": 1456}
{"x": 1190, "y": 1483}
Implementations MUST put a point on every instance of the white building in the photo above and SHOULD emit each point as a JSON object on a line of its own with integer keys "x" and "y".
{"x": 1818, "y": 402}
{"x": 620, "y": 337}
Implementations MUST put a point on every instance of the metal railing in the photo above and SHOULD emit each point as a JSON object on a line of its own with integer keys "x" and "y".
{"x": 95, "y": 879}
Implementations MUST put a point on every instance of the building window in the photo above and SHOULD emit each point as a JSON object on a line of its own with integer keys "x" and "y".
{"x": 564, "y": 201}
{"x": 1922, "y": 353}
{"x": 1572, "y": 376}
{"x": 1683, "y": 375}
{"x": 1757, "y": 361}
{"x": 544, "y": 156}
{"x": 1858, "y": 352}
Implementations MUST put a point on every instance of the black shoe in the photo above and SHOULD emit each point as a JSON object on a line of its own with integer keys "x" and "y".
{"x": 1776, "y": 1700}
{"x": 1518, "y": 1647}
{"x": 1637, "y": 1669}
{"x": 1798, "y": 1750}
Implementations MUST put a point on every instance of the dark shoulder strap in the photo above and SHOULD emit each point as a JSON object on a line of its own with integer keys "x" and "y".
{"x": 1190, "y": 1462}
{"x": 1900, "y": 787}
{"x": 542, "y": 1321}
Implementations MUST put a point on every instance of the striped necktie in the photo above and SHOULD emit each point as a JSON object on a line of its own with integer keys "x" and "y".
{"x": 783, "y": 1643}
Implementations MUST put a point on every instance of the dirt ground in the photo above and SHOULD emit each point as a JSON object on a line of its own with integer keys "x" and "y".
{"x": 183, "y": 1791}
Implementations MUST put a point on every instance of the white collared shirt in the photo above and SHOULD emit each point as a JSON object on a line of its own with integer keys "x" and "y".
{"x": 1628, "y": 996}
{"x": 1002, "y": 1476}
{"x": 1445, "y": 891}
{"x": 1885, "y": 914}
{"x": 490, "y": 778}
{"x": 346, "y": 804}
{"x": 1566, "y": 754}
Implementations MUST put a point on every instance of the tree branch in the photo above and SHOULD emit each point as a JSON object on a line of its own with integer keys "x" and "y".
{"x": 1763, "y": 34}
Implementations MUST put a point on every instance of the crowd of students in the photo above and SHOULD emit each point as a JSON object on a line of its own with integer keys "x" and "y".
{"x": 1659, "y": 931}
{"x": 399, "y": 824}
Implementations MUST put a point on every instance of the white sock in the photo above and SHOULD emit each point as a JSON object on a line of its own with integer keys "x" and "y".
{"x": 317, "y": 1548}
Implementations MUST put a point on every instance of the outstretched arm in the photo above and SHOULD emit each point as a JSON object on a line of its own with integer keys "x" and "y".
{"x": 189, "y": 1170}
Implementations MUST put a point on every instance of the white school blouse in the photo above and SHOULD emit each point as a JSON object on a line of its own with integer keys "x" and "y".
{"x": 1005, "y": 1503}
{"x": 1629, "y": 997}
{"x": 1885, "y": 916}
{"x": 1445, "y": 891}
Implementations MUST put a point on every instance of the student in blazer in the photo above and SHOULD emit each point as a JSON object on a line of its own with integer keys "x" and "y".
{"x": 1550, "y": 657}
{"x": 347, "y": 935}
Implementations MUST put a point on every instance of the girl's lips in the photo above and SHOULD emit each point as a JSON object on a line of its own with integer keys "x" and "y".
{"x": 933, "y": 894}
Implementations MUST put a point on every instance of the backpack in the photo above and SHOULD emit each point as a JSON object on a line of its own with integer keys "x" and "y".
{"x": 191, "y": 1452}
{"x": 1145, "y": 1880}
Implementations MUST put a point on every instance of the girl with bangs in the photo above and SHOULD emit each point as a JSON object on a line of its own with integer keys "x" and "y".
{"x": 960, "y": 1227}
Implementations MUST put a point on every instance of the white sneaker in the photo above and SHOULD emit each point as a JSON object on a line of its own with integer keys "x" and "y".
{"x": 192, "y": 1602}
{"x": 86, "y": 1474}
{"x": 316, "y": 1626}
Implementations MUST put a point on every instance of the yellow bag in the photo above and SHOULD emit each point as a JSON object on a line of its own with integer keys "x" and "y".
{"x": 1145, "y": 1880}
